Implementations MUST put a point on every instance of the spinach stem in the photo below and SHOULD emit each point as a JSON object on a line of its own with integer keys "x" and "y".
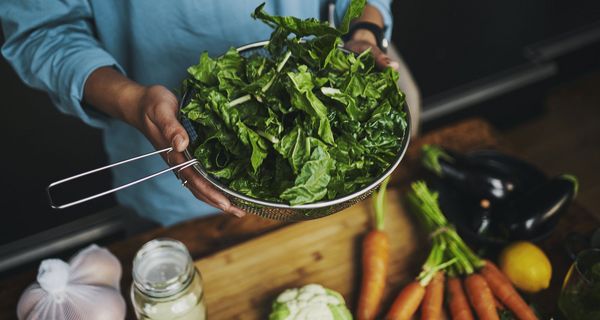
{"x": 239, "y": 100}
{"x": 268, "y": 136}
{"x": 284, "y": 61}
{"x": 279, "y": 67}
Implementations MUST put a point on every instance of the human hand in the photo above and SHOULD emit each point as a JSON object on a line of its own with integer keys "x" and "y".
{"x": 363, "y": 40}
{"x": 155, "y": 115}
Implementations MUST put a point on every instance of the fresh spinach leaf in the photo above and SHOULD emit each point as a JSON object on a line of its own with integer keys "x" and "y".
{"x": 311, "y": 183}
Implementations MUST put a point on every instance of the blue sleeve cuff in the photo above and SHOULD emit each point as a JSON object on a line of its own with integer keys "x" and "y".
{"x": 72, "y": 81}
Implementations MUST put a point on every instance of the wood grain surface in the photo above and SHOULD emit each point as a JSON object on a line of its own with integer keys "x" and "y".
{"x": 241, "y": 282}
{"x": 207, "y": 236}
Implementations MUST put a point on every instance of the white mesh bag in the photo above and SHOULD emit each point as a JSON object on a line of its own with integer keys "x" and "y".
{"x": 85, "y": 288}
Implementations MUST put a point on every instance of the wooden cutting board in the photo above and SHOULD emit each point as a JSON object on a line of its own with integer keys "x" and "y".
{"x": 241, "y": 282}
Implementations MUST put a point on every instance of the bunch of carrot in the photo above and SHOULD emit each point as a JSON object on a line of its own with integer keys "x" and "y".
{"x": 472, "y": 284}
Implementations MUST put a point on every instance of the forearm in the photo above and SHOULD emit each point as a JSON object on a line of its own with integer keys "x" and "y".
{"x": 372, "y": 15}
{"x": 109, "y": 91}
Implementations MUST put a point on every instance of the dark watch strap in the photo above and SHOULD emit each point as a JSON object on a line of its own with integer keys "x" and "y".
{"x": 375, "y": 29}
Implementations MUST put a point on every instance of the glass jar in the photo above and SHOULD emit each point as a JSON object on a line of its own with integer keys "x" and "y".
{"x": 166, "y": 284}
{"x": 580, "y": 295}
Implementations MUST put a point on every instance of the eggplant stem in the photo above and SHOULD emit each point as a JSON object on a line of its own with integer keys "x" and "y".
{"x": 572, "y": 179}
{"x": 430, "y": 158}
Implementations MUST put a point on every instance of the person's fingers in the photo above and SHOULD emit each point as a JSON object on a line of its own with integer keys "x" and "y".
{"x": 154, "y": 135}
{"x": 201, "y": 188}
{"x": 200, "y": 185}
{"x": 195, "y": 182}
{"x": 237, "y": 211}
{"x": 357, "y": 46}
{"x": 160, "y": 109}
{"x": 382, "y": 60}
{"x": 233, "y": 210}
{"x": 165, "y": 118}
{"x": 203, "y": 198}
{"x": 230, "y": 209}
{"x": 203, "y": 194}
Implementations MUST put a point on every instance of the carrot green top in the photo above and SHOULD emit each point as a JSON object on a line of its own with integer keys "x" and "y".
{"x": 378, "y": 199}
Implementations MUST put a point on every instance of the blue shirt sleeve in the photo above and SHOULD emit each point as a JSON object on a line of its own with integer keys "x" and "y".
{"x": 51, "y": 46}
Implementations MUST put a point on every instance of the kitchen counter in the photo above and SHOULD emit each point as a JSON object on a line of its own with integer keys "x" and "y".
{"x": 209, "y": 235}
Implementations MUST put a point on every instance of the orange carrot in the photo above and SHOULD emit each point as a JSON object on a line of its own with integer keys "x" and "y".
{"x": 375, "y": 256}
{"x": 506, "y": 293}
{"x": 499, "y": 305}
{"x": 374, "y": 263}
{"x": 457, "y": 300}
{"x": 407, "y": 302}
{"x": 481, "y": 297}
{"x": 431, "y": 307}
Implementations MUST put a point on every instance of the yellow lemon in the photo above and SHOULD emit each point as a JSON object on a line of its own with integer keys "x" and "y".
{"x": 526, "y": 265}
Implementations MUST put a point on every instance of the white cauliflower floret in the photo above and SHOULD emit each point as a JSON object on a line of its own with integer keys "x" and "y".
{"x": 310, "y": 302}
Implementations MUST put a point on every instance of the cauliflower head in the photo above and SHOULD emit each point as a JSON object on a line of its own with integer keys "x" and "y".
{"x": 312, "y": 302}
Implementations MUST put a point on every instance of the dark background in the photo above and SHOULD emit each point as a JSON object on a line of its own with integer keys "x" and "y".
{"x": 454, "y": 48}
{"x": 452, "y": 43}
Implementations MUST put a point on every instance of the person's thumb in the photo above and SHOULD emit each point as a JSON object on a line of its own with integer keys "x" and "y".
{"x": 171, "y": 129}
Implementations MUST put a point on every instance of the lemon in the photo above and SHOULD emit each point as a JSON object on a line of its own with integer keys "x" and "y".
{"x": 527, "y": 266}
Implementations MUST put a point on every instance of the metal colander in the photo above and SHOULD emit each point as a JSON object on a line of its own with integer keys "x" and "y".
{"x": 266, "y": 209}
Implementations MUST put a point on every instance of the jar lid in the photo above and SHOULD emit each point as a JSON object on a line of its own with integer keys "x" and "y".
{"x": 162, "y": 267}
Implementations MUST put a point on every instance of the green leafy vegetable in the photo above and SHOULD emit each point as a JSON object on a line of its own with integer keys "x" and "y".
{"x": 311, "y": 184}
{"x": 308, "y": 122}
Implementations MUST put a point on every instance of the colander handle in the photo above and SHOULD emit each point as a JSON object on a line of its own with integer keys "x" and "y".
{"x": 179, "y": 167}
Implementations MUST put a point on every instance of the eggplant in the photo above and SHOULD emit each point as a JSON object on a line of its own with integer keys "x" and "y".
{"x": 541, "y": 208}
{"x": 471, "y": 177}
{"x": 499, "y": 198}
{"x": 481, "y": 218}
{"x": 474, "y": 220}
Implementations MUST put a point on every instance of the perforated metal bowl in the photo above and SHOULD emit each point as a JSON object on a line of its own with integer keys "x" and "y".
{"x": 282, "y": 211}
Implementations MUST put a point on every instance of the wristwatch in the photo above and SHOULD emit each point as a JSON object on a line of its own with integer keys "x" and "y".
{"x": 377, "y": 31}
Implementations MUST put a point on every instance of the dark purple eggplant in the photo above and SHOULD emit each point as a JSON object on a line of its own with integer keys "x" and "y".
{"x": 481, "y": 218}
{"x": 470, "y": 177}
{"x": 474, "y": 220}
{"x": 540, "y": 208}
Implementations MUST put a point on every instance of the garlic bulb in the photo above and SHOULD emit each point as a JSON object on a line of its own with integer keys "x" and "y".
{"x": 85, "y": 288}
{"x": 95, "y": 265}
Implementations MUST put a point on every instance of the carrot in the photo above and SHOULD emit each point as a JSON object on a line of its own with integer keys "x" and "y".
{"x": 374, "y": 263}
{"x": 433, "y": 301}
{"x": 506, "y": 293}
{"x": 375, "y": 256}
{"x": 407, "y": 302}
{"x": 481, "y": 297}
{"x": 499, "y": 305}
{"x": 457, "y": 300}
